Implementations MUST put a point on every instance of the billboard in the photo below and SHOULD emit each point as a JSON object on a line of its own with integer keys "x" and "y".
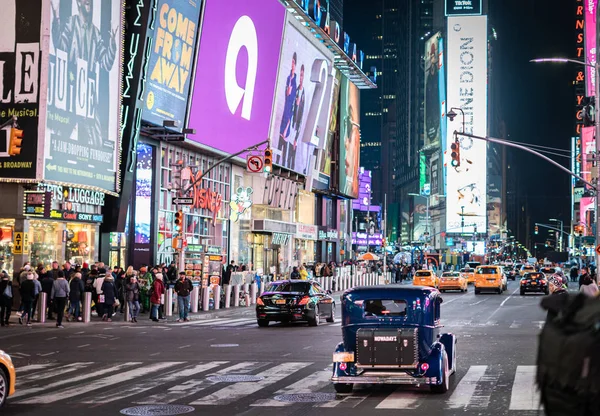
{"x": 305, "y": 81}
{"x": 20, "y": 97}
{"x": 590, "y": 47}
{"x": 236, "y": 73}
{"x": 467, "y": 89}
{"x": 349, "y": 138}
{"x": 463, "y": 7}
{"x": 84, "y": 93}
{"x": 363, "y": 202}
{"x": 143, "y": 212}
{"x": 588, "y": 148}
{"x": 171, "y": 60}
{"x": 433, "y": 101}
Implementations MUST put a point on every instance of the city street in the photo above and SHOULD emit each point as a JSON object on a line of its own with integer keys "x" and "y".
{"x": 230, "y": 366}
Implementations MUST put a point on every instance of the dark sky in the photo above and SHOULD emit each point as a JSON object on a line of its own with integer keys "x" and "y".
{"x": 538, "y": 100}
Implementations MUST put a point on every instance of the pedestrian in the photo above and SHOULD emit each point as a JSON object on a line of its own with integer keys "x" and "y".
{"x": 109, "y": 291}
{"x": 47, "y": 283}
{"x": 132, "y": 295}
{"x": 583, "y": 275}
{"x": 37, "y": 291}
{"x": 183, "y": 288}
{"x": 6, "y": 298}
{"x": 98, "y": 286}
{"x": 589, "y": 287}
{"x": 303, "y": 273}
{"x": 27, "y": 291}
{"x": 77, "y": 288}
{"x": 68, "y": 271}
{"x": 295, "y": 274}
{"x": 145, "y": 280}
{"x": 573, "y": 273}
{"x": 172, "y": 272}
{"x": 60, "y": 293}
{"x": 156, "y": 293}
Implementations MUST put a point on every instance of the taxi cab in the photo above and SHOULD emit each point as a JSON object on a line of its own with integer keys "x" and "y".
{"x": 526, "y": 268}
{"x": 489, "y": 278}
{"x": 425, "y": 278}
{"x": 468, "y": 274}
{"x": 7, "y": 377}
{"x": 452, "y": 281}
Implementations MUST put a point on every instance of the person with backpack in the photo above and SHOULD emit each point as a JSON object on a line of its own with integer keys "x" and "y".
{"x": 6, "y": 298}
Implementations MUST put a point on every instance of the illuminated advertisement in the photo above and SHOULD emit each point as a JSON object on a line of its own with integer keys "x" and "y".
{"x": 494, "y": 203}
{"x": 463, "y": 7}
{"x": 588, "y": 147}
{"x": 349, "y": 138}
{"x": 171, "y": 61}
{"x": 419, "y": 217}
{"x": 20, "y": 57}
{"x": 363, "y": 202}
{"x": 361, "y": 239}
{"x": 84, "y": 93}
{"x": 143, "y": 193}
{"x": 300, "y": 123}
{"x": 590, "y": 46}
{"x": 586, "y": 212}
{"x": 236, "y": 73}
{"x": 432, "y": 104}
{"x": 466, "y": 184}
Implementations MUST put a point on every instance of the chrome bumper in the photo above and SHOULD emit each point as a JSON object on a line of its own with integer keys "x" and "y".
{"x": 384, "y": 378}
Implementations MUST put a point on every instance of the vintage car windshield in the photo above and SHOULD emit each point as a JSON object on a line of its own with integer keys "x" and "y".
{"x": 385, "y": 307}
{"x": 423, "y": 273}
{"x": 486, "y": 270}
{"x": 288, "y": 287}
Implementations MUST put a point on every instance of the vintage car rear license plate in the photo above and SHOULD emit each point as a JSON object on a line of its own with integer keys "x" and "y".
{"x": 280, "y": 302}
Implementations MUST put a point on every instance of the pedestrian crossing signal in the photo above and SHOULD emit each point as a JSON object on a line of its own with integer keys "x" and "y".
{"x": 16, "y": 137}
{"x": 455, "y": 147}
{"x": 268, "y": 161}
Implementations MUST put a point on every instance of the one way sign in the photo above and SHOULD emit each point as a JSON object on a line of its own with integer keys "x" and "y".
{"x": 18, "y": 243}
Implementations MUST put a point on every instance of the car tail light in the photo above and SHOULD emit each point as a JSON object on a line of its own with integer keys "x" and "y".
{"x": 424, "y": 367}
{"x": 343, "y": 366}
{"x": 304, "y": 300}
{"x": 260, "y": 302}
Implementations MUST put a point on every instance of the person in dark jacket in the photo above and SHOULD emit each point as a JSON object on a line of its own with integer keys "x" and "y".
{"x": 110, "y": 295}
{"x": 6, "y": 298}
{"x": 77, "y": 288}
{"x": 172, "y": 272}
{"x": 27, "y": 296}
{"x": 183, "y": 288}
{"x": 573, "y": 273}
{"x": 60, "y": 294}
{"x": 132, "y": 295}
{"x": 295, "y": 273}
{"x": 582, "y": 277}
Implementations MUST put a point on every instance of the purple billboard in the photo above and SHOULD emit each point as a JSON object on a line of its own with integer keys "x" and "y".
{"x": 236, "y": 73}
{"x": 362, "y": 203}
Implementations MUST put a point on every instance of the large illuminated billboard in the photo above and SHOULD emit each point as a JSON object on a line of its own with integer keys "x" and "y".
{"x": 466, "y": 185}
{"x": 590, "y": 47}
{"x": 349, "y": 159}
{"x": 300, "y": 121}
{"x": 432, "y": 104}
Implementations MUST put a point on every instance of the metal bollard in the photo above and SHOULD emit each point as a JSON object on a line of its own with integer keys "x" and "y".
{"x": 253, "y": 290}
{"x": 236, "y": 295}
{"x": 87, "y": 307}
{"x": 262, "y": 288}
{"x": 217, "y": 296}
{"x": 205, "y": 298}
{"x": 194, "y": 298}
{"x": 330, "y": 282}
{"x": 175, "y": 303}
{"x": 246, "y": 290}
{"x": 169, "y": 302}
{"x": 227, "y": 296}
{"x": 41, "y": 309}
{"x": 127, "y": 314}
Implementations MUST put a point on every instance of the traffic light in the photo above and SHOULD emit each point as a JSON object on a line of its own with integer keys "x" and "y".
{"x": 536, "y": 230}
{"x": 16, "y": 137}
{"x": 179, "y": 220}
{"x": 175, "y": 244}
{"x": 383, "y": 242}
{"x": 268, "y": 163}
{"x": 455, "y": 154}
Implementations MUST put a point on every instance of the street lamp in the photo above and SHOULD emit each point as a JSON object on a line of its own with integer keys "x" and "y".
{"x": 596, "y": 121}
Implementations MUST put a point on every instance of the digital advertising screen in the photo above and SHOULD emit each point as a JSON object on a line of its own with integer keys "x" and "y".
{"x": 433, "y": 105}
{"x": 588, "y": 147}
{"x": 84, "y": 93}
{"x": 466, "y": 186}
{"x": 363, "y": 202}
{"x": 349, "y": 138}
{"x": 143, "y": 193}
{"x": 463, "y": 7}
{"x": 305, "y": 81}
{"x": 590, "y": 47}
{"x": 236, "y": 73}
{"x": 171, "y": 61}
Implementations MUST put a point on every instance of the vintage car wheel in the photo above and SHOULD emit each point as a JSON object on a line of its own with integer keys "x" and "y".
{"x": 263, "y": 323}
{"x": 3, "y": 388}
{"x": 445, "y": 386}
{"x": 343, "y": 388}
{"x": 315, "y": 321}
{"x": 332, "y": 316}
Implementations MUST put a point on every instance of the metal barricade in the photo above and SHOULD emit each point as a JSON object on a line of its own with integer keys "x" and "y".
{"x": 169, "y": 302}
{"x": 87, "y": 307}
{"x": 41, "y": 307}
{"x": 217, "y": 296}
{"x": 194, "y": 299}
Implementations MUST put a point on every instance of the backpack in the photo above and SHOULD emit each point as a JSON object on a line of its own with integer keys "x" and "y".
{"x": 568, "y": 345}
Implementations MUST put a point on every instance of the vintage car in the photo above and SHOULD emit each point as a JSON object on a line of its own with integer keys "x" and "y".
{"x": 452, "y": 281}
{"x": 7, "y": 377}
{"x": 425, "y": 278}
{"x": 392, "y": 335}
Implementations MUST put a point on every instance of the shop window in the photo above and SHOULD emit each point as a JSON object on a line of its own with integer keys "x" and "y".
{"x": 6, "y": 243}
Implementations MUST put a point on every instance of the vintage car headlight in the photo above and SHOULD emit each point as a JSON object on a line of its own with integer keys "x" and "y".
{"x": 343, "y": 357}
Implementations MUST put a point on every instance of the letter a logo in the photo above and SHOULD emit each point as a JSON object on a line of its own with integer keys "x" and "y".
{"x": 243, "y": 35}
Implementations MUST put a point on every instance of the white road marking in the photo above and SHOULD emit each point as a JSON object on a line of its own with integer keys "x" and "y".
{"x": 400, "y": 400}
{"x": 503, "y": 302}
{"x": 83, "y": 346}
{"x": 466, "y": 387}
{"x": 349, "y": 401}
{"x": 525, "y": 395}
{"x": 539, "y": 324}
{"x": 63, "y": 369}
{"x": 307, "y": 385}
{"x": 236, "y": 391}
{"x": 184, "y": 346}
{"x": 47, "y": 354}
{"x": 32, "y": 367}
{"x": 515, "y": 325}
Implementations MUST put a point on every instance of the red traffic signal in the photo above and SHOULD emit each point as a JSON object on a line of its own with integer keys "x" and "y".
{"x": 455, "y": 147}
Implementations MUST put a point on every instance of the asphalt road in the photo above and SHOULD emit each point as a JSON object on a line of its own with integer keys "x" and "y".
{"x": 228, "y": 366}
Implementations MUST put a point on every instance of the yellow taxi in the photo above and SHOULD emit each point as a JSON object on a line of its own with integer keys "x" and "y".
{"x": 452, "y": 281}
{"x": 425, "y": 278}
{"x": 7, "y": 377}
{"x": 468, "y": 274}
{"x": 526, "y": 268}
{"x": 489, "y": 278}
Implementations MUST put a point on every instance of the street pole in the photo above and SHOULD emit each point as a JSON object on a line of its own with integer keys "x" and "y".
{"x": 597, "y": 138}
{"x": 384, "y": 235}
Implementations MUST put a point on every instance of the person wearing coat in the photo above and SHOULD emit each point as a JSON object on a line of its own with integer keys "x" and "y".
{"x": 77, "y": 288}
{"x": 60, "y": 294}
{"x": 109, "y": 291}
{"x": 157, "y": 291}
{"x": 6, "y": 298}
{"x": 27, "y": 296}
{"x": 132, "y": 296}
{"x": 589, "y": 287}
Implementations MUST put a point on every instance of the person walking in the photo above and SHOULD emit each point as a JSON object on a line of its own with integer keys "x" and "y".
{"x": 303, "y": 273}
{"x": 77, "y": 288}
{"x": 183, "y": 288}
{"x": 27, "y": 296}
{"x": 37, "y": 291}
{"x": 6, "y": 298}
{"x": 589, "y": 287}
{"x": 60, "y": 293}
{"x": 584, "y": 274}
{"x": 132, "y": 295}
{"x": 156, "y": 293}
{"x": 109, "y": 291}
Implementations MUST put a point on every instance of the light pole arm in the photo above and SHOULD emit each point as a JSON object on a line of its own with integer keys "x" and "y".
{"x": 552, "y": 228}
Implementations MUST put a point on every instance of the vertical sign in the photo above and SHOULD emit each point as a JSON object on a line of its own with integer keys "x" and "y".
{"x": 144, "y": 183}
{"x": 433, "y": 130}
{"x": 467, "y": 89}
{"x": 580, "y": 56}
{"x": 590, "y": 46}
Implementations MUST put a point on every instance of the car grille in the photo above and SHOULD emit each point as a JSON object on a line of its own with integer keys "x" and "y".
{"x": 387, "y": 348}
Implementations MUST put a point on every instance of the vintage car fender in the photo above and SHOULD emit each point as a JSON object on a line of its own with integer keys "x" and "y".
{"x": 449, "y": 340}
{"x": 351, "y": 369}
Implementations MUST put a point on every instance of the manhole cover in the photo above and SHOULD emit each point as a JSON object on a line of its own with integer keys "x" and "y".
{"x": 235, "y": 378}
{"x": 306, "y": 397}
{"x": 158, "y": 410}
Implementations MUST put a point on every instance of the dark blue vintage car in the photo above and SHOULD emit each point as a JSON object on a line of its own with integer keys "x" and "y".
{"x": 392, "y": 335}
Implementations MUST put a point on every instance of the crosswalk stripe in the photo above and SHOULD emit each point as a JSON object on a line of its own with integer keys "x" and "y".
{"x": 52, "y": 373}
{"x": 32, "y": 367}
{"x": 466, "y": 387}
{"x": 70, "y": 392}
{"x": 524, "y": 395}
{"x": 194, "y": 386}
{"x": 400, "y": 400}
{"x": 347, "y": 402}
{"x": 120, "y": 393}
{"x": 241, "y": 322}
{"x": 237, "y": 391}
{"x": 221, "y": 322}
{"x": 309, "y": 384}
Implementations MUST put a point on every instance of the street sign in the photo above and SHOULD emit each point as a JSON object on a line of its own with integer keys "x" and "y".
{"x": 426, "y": 191}
{"x": 183, "y": 201}
{"x": 18, "y": 243}
{"x": 254, "y": 163}
{"x": 598, "y": 249}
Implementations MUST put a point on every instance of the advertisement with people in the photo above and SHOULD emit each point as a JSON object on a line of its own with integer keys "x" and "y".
{"x": 84, "y": 93}
{"x": 236, "y": 73}
{"x": 144, "y": 182}
{"x": 300, "y": 121}
{"x": 432, "y": 104}
{"x": 349, "y": 138}
{"x": 171, "y": 61}
{"x": 20, "y": 57}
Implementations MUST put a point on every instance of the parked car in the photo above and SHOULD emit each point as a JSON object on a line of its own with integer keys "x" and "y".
{"x": 534, "y": 282}
{"x": 452, "y": 281}
{"x": 393, "y": 335}
{"x": 294, "y": 300}
{"x": 7, "y": 377}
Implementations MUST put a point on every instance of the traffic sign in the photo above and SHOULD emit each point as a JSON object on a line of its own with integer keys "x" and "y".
{"x": 18, "y": 243}
{"x": 182, "y": 201}
{"x": 254, "y": 163}
{"x": 598, "y": 249}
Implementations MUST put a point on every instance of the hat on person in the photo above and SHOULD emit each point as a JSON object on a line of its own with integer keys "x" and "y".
{"x": 181, "y": 273}
{"x": 556, "y": 281}
{"x": 85, "y": 265}
{"x": 27, "y": 267}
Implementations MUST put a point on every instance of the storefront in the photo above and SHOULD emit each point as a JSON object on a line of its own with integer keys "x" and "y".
{"x": 327, "y": 244}
{"x": 305, "y": 244}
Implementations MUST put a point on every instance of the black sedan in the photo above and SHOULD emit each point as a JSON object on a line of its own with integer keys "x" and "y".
{"x": 511, "y": 273}
{"x": 534, "y": 282}
{"x": 294, "y": 300}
